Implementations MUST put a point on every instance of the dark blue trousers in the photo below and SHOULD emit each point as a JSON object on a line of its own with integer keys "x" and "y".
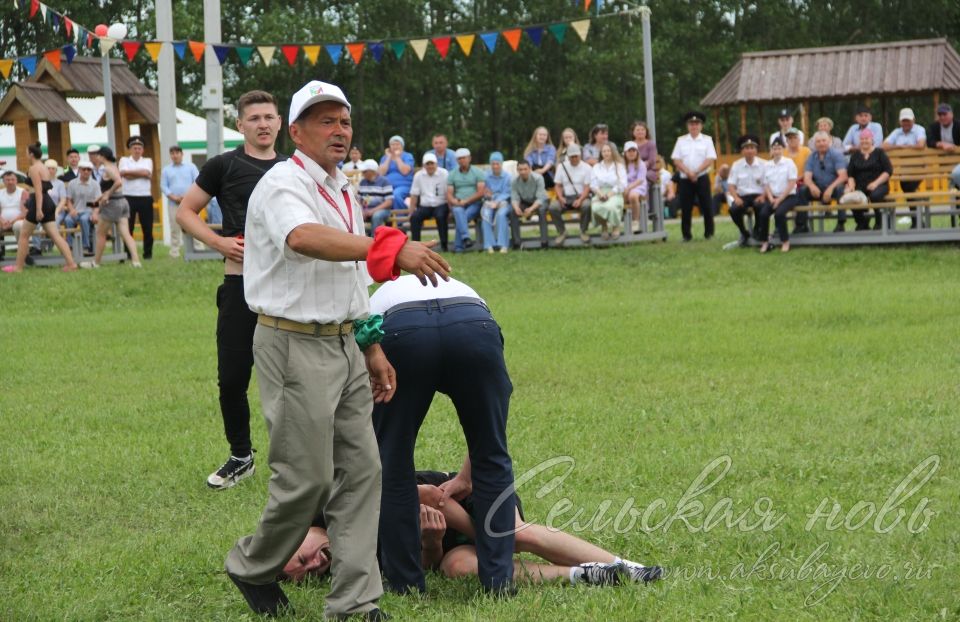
{"x": 456, "y": 349}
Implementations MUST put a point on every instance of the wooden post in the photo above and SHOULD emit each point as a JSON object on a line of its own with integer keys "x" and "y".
{"x": 150, "y": 134}
{"x": 805, "y": 120}
{"x": 743, "y": 119}
{"x": 25, "y": 132}
{"x": 121, "y": 120}
{"x": 760, "y": 134}
{"x": 716, "y": 126}
{"x": 58, "y": 141}
{"x": 936, "y": 102}
{"x": 726, "y": 123}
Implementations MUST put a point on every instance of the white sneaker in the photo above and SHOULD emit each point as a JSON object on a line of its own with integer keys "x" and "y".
{"x": 232, "y": 471}
{"x": 137, "y": 264}
{"x": 639, "y": 573}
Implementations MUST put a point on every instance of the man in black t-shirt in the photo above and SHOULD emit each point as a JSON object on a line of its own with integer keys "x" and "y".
{"x": 231, "y": 178}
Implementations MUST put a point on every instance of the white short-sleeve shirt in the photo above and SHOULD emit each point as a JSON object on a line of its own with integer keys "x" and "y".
{"x": 748, "y": 178}
{"x": 408, "y": 288}
{"x": 694, "y": 151}
{"x": 283, "y": 283}
{"x": 779, "y": 175}
{"x": 136, "y": 186}
{"x": 10, "y": 203}
{"x": 430, "y": 190}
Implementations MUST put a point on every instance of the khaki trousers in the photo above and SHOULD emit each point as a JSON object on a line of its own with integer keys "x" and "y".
{"x": 176, "y": 233}
{"x": 317, "y": 403}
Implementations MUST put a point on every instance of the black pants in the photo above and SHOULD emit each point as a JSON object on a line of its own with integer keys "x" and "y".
{"x": 515, "y": 223}
{"x": 455, "y": 348}
{"x": 779, "y": 217}
{"x": 440, "y": 213}
{"x": 806, "y": 198}
{"x": 717, "y": 202}
{"x": 143, "y": 207}
{"x": 235, "y": 326}
{"x": 737, "y": 212}
{"x": 911, "y": 186}
{"x": 686, "y": 190}
{"x": 862, "y": 216}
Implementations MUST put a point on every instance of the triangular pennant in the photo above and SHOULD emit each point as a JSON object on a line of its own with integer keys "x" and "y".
{"x": 43, "y": 11}
{"x": 221, "y": 51}
{"x": 312, "y": 52}
{"x": 29, "y": 63}
{"x": 376, "y": 49}
{"x": 535, "y": 33}
{"x": 581, "y": 27}
{"x": 34, "y": 7}
{"x": 89, "y": 38}
{"x": 106, "y": 44}
{"x": 420, "y": 47}
{"x": 56, "y": 21}
{"x": 558, "y": 30}
{"x": 153, "y": 49}
{"x": 443, "y": 45}
{"x": 290, "y": 53}
{"x": 490, "y": 40}
{"x": 356, "y": 51}
{"x": 180, "y": 48}
{"x": 6, "y": 65}
{"x": 131, "y": 48}
{"x": 335, "y": 51}
{"x": 466, "y": 43}
{"x": 266, "y": 53}
{"x": 586, "y": 5}
{"x": 513, "y": 37}
{"x": 53, "y": 57}
{"x": 196, "y": 48}
{"x": 68, "y": 25}
{"x": 398, "y": 47}
{"x": 244, "y": 53}
{"x": 69, "y": 51}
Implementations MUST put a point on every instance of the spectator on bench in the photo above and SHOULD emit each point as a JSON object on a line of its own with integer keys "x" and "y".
{"x": 944, "y": 133}
{"x": 82, "y": 195}
{"x": 870, "y": 170}
{"x": 799, "y": 153}
{"x": 72, "y": 171}
{"x": 376, "y": 194}
{"x": 13, "y": 207}
{"x": 59, "y": 195}
{"x": 825, "y": 124}
{"x": 780, "y": 196}
{"x": 573, "y": 193}
{"x": 636, "y": 191}
{"x": 542, "y": 155}
{"x": 824, "y": 176}
{"x": 445, "y": 158}
{"x": 428, "y": 199}
{"x": 745, "y": 184}
{"x": 864, "y": 121}
{"x": 495, "y": 213}
{"x": 464, "y": 195}
{"x": 567, "y": 137}
{"x": 785, "y": 119}
{"x": 599, "y": 136}
{"x": 608, "y": 182}
{"x": 640, "y": 134}
{"x": 397, "y": 166}
{"x": 527, "y": 195}
{"x": 721, "y": 182}
{"x": 668, "y": 188}
{"x": 909, "y": 135}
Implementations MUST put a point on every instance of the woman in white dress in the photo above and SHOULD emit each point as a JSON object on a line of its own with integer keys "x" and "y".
{"x": 608, "y": 182}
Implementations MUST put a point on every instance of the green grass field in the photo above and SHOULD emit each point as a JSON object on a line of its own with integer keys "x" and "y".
{"x": 823, "y": 376}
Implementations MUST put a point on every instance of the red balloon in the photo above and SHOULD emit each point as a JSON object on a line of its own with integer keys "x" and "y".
{"x": 100, "y": 30}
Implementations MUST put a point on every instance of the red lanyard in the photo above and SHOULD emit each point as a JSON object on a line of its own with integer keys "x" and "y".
{"x": 333, "y": 204}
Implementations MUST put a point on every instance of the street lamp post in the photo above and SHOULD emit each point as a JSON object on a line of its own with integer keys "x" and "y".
{"x": 108, "y": 37}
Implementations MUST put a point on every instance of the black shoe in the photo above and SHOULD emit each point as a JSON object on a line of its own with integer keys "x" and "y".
{"x": 707, "y": 236}
{"x": 544, "y": 244}
{"x": 596, "y": 573}
{"x": 744, "y": 240}
{"x": 444, "y": 249}
{"x": 642, "y": 574}
{"x": 374, "y": 615}
{"x": 685, "y": 240}
{"x": 877, "y": 225}
{"x": 266, "y": 599}
{"x": 862, "y": 227}
{"x": 803, "y": 229}
{"x": 35, "y": 251}
{"x": 840, "y": 228}
{"x": 468, "y": 244}
{"x": 515, "y": 246}
{"x": 29, "y": 259}
{"x": 232, "y": 471}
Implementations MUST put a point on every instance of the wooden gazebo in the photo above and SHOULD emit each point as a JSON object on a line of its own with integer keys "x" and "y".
{"x": 864, "y": 73}
{"x": 27, "y": 104}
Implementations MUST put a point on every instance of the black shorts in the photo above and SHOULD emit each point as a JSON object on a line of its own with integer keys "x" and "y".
{"x": 48, "y": 212}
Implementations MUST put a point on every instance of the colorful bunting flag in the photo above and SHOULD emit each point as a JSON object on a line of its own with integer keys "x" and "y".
{"x": 56, "y": 21}
{"x": 513, "y": 37}
{"x": 266, "y": 53}
{"x": 29, "y": 63}
{"x": 106, "y": 44}
{"x": 443, "y": 45}
{"x": 581, "y": 27}
{"x": 398, "y": 47}
{"x": 180, "y": 48}
{"x": 221, "y": 51}
{"x": 290, "y": 53}
{"x": 489, "y": 39}
{"x": 34, "y": 7}
{"x": 244, "y": 53}
{"x": 68, "y": 25}
{"x": 6, "y": 65}
{"x": 356, "y": 51}
{"x": 197, "y": 48}
{"x": 535, "y": 33}
{"x": 376, "y": 49}
{"x": 312, "y": 52}
{"x": 89, "y": 38}
{"x": 131, "y": 48}
{"x": 466, "y": 43}
{"x": 53, "y": 57}
{"x": 419, "y": 47}
{"x": 335, "y": 51}
{"x": 153, "y": 49}
{"x": 559, "y": 31}
{"x": 586, "y": 5}
{"x": 43, "y": 11}
{"x": 69, "y": 51}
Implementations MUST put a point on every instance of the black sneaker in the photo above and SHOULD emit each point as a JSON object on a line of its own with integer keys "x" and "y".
{"x": 266, "y": 599}
{"x": 799, "y": 230}
{"x": 596, "y": 573}
{"x": 840, "y": 228}
{"x": 232, "y": 471}
{"x": 639, "y": 573}
{"x": 744, "y": 240}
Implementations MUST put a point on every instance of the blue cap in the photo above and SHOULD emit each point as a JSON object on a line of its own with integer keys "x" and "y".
{"x": 398, "y": 139}
{"x": 496, "y": 156}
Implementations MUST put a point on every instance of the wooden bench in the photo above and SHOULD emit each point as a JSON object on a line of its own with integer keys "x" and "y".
{"x": 76, "y": 249}
{"x": 930, "y": 167}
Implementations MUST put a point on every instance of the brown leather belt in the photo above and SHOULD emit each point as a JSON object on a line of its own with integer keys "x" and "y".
{"x": 317, "y": 330}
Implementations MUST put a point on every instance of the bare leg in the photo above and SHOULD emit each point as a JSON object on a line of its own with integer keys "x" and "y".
{"x": 54, "y": 234}
{"x": 558, "y": 547}
{"x": 635, "y": 209}
{"x": 124, "y": 227}
{"x": 23, "y": 244}
{"x": 102, "y": 227}
{"x": 462, "y": 562}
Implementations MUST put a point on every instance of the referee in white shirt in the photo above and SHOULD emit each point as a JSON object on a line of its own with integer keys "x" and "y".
{"x": 444, "y": 339}
{"x": 693, "y": 155}
{"x": 305, "y": 274}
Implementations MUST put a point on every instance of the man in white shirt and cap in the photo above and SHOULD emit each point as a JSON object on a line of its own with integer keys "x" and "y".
{"x": 693, "y": 155}
{"x": 305, "y": 269}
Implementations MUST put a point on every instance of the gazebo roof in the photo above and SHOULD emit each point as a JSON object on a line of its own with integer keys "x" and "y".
{"x": 844, "y": 72}
{"x": 39, "y": 101}
{"x": 84, "y": 77}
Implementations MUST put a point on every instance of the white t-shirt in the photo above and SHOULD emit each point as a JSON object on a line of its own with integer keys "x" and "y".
{"x": 136, "y": 186}
{"x": 10, "y": 203}
{"x": 431, "y": 190}
{"x": 408, "y": 288}
{"x": 578, "y": 178}
{"x": 283, "y": 283}
{"x": 778, "y": 175}
{"x": 693, "y": 152}
{"x": 748, "y": 178}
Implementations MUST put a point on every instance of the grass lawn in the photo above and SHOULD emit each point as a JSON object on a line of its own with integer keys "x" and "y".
{"x": 826, "y": 376}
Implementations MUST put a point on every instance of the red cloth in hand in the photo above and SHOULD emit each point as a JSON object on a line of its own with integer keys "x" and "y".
{"x": 382, "y": 254}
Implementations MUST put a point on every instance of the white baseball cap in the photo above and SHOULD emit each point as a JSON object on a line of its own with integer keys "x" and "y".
{"x": 368, "y": 165}
{"x": 85, "y": 164}
{"x": 907, "y": 113}
{"x": 314, "y": 92}
{"x": 51, "y": 163}
{"x": 627, "y": 146}
{"x": 573, "y": 150}
{"x": 429, "y": 157}
{"x": 462, "y": 152}
{"x": 93, "y": 149}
